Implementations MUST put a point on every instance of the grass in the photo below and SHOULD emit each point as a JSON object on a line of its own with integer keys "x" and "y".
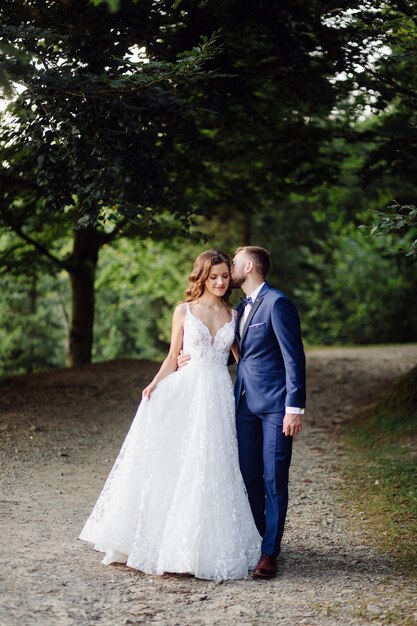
{"x": 382, "y": 470}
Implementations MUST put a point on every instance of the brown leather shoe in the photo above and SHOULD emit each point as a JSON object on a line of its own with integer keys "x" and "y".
{"x": 266, "y": 568}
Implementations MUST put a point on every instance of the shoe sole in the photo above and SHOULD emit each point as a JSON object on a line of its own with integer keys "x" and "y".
{"x": 263, "y": 576}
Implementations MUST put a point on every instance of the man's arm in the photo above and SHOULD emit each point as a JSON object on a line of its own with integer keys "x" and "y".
{"x": 286, "y": 325}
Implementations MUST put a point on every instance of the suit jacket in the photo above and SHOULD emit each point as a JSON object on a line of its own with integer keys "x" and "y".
{"x": 271, "y": 367}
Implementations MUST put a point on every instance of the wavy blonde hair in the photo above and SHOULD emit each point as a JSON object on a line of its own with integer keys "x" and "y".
{"x": 201, "y": 271}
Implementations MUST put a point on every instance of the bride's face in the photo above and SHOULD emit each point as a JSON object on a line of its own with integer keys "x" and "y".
{"x": 218, "y": 280}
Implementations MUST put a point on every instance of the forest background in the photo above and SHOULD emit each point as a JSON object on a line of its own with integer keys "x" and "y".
{"x": 136, "y": 134}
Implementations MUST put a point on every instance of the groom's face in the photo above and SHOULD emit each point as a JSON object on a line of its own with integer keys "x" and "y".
{"x": 238, "y": 273}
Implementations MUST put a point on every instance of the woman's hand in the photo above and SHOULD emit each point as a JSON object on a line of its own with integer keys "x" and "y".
{"x": 146, "y": 393}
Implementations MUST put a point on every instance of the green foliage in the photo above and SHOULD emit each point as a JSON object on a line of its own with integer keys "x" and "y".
{"x": 33, "y": 323}
{"x": 357, "y": 291}
{"x": 381, "y": 79}
{"x": 90, "y": 141}
{"x": 34, "y": 306}
{"x": 91, "y": 134}
{"x": 138, "y": 285}
{"x": 271, "y": 108}
{"x": 399, "y": 219}
{"x": 113, "y": 5}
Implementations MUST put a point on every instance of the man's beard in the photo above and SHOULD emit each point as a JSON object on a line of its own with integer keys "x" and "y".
{"x": 237, "y": 282}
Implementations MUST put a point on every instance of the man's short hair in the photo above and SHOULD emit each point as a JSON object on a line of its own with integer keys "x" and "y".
{"x": 259, "y": 256}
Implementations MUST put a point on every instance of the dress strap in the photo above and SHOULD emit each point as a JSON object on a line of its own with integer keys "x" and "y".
{"x": 187, "y": 311}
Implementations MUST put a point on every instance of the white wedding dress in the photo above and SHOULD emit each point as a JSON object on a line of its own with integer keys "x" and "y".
{"x": 175, "y": 500}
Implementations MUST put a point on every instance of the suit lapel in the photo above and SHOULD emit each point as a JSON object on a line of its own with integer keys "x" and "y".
{"x": 253, "y": 310}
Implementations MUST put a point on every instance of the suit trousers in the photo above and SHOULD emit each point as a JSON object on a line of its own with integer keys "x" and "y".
{"x": 265, "y": 457}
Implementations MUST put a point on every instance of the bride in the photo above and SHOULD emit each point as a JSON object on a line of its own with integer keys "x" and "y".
{"x": 175, "y": 500}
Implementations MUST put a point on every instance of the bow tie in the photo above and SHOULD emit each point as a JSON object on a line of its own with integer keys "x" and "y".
{"x": 247, "y": 301}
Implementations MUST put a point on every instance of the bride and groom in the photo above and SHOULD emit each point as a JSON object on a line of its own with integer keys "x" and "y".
{"x": 200, "y": 485}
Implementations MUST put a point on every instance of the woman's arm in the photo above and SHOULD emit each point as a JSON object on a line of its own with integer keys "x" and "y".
{"x": 170, "y": 364}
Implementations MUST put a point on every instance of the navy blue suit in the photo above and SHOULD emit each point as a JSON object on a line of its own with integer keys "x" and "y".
{"x": 270, "y": 376}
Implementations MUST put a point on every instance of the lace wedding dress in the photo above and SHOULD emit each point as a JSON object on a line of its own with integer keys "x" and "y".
{"x": 175, "y": 500}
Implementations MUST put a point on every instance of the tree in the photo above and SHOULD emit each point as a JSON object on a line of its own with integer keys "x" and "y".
{"x": 112, "y": 145}
{"x": 88, "y": 144}
{"x": 118, "y": 145}
{"x": 380, "y": 76}
{"x": 33, "y": 313}
{"x": 264, "y": 139}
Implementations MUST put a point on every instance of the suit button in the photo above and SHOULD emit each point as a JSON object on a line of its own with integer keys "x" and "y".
{"x": 243, "y": 360}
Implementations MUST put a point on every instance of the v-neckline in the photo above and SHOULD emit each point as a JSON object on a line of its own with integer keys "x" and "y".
{"x": 213, "y": 338}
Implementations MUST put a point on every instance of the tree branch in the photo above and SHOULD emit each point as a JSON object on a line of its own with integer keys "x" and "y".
{"x": 393, "y": 83}
{"x": 40, "y": 248}
{"x": 4, "y": 265}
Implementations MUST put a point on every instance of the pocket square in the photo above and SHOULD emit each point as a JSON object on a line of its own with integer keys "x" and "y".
{"x": 260, "y": 324}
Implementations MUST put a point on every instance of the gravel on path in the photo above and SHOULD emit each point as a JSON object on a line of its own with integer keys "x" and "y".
{"x": 60, "y": 433}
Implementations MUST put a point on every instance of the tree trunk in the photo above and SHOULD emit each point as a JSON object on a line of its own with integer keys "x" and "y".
{"x": 82, "y": 273}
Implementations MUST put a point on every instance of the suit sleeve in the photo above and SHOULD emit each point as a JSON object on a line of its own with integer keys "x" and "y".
{"x": 286, "y": 325}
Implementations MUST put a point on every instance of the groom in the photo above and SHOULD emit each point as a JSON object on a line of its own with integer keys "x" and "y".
{"x": 270, "y": 396}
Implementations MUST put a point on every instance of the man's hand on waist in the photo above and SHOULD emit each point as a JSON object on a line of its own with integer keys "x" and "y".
{"x": 182, "y": 359}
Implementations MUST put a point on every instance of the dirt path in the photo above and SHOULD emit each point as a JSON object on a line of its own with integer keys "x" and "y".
{"x": 60, "y": 433}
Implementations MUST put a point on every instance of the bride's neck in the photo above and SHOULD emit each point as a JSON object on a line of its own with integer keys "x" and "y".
{"x": 210, "y": 300}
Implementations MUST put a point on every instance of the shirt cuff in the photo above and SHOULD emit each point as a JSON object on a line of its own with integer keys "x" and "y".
{"x": 294, "y": 409}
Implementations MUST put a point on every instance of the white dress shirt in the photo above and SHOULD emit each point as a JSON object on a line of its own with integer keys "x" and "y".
{"x": 248, "y": 307}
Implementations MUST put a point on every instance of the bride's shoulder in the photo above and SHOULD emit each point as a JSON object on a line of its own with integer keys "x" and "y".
{"x": 180, "y": 310}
